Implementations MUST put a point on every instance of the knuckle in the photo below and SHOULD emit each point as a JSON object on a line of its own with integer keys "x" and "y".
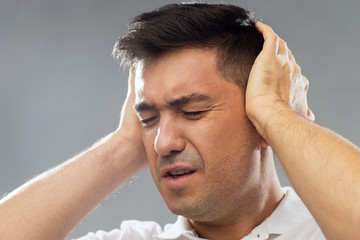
{"x": 283, "y": 42}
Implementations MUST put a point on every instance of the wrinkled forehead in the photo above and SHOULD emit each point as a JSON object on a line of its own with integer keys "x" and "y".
{"x": 177, "y": 74}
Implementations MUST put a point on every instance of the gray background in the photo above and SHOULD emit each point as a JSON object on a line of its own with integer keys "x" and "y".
{"x": 60, "y": 90}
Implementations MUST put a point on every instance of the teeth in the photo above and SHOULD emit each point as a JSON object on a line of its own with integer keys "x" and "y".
{"x": 179, "y": 172}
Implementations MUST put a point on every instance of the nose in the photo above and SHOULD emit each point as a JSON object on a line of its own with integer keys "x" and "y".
{"x": 168, "y": 138}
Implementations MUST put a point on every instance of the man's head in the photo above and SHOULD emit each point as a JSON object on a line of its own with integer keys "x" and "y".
{"x": 204, "y": 154}
{"x": 230, "y": 30}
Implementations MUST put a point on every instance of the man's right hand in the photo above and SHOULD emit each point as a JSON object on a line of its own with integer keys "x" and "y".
{"x": 129, "y": 126}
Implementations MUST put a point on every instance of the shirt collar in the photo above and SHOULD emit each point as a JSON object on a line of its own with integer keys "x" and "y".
{"x": 290, "y": 213}
{"x": 181, "y": 228}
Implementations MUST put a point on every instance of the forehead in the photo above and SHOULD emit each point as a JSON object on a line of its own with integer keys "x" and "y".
{"x": 178, "y": 73}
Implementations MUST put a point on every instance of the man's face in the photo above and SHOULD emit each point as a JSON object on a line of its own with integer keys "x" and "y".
{"x": 202, "y": 150}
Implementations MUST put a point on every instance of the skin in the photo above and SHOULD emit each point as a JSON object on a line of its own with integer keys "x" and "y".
{"x": 184, "y": 103}
{"x": 275, "y": 103}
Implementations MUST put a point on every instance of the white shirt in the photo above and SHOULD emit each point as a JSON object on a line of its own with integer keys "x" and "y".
{"x": 290, "y": 221}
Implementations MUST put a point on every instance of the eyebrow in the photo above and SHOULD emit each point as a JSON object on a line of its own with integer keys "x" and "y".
{"x": 143, "y": 106}
{"x": 189, "y": 99}
{"x": 181, "y": 101}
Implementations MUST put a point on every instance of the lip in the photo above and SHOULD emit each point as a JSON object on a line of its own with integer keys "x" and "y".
{"x": 165, "y": 170}
{"x": 173, "y": 183}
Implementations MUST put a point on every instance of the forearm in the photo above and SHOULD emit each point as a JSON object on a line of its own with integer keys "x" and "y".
{"x": 323, "y": 167}
{"x": 52, "y": 204}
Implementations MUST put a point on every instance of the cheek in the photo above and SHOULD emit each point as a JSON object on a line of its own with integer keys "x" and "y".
{"x": 227, "y": 141}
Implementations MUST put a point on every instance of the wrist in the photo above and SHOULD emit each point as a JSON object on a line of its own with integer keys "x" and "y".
{"x": 265, "y": 116}
{"x": 117, "y": 154}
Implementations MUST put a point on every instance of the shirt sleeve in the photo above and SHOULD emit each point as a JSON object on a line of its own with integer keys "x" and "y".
{"x": 133, "y": 229}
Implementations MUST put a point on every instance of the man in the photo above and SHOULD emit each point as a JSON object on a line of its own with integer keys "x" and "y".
{"x": 205, "y": 132}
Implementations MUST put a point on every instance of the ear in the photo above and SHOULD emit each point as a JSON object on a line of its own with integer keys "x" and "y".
{"x": 263, "y": 142}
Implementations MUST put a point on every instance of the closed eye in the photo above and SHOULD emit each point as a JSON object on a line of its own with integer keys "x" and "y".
{"x": 147, "y": 122}
{"x": 193, "y": 115}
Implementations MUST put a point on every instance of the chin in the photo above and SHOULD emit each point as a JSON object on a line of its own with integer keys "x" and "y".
{"x": 181, "y": 207}
{"x": 190, "y": 210}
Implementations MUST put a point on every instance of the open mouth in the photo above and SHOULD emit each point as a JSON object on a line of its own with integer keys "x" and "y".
{"x": 179, "y": 173}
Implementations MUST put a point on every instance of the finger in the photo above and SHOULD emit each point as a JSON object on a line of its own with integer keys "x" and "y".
{"x": 310, "y": 115}
{"x": 306, "y": 81}
{"x": 283, "y": 49}
{"x": 132, "y": 74}
{"x": 291, "y": 56}
{"x": 271, "y": 40}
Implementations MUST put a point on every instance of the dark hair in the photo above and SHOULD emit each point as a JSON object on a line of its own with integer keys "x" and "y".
{"x": 228, "y": 29}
